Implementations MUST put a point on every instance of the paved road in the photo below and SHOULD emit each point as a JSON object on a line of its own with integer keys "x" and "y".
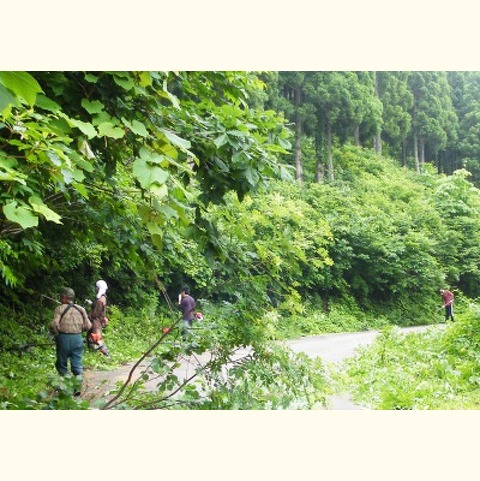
{"x": 337, "y": 347}
{"x": 332, "y": 348}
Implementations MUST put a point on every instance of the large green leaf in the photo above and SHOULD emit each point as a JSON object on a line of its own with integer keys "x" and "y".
{"x": 9, "y": 173}
{"x": 221, "y": 140}
{"x": 175, "y": 139}
{"x": 167, "y": 211}
{"x": 78, "y": 175}
{"x": 11, "y": 177}
{"x": 8, "y": 162}
{"x": 157, "y": 241}
{"x": 153, "y": 158}
{"x": 54, "y": 158}
{"x": 81, "y": 189}
{"x": 148, "y": 174}
{"x": 109, "y": 130}
{"x": 145, "y": 212}
{"x": 159, "y": 191}
{"x": 171, "y": 153}
{"x": 92, "y": 107}
{"x": 145, "y": 79}
{"x": 123, "y": 79}
{"x": 47, "y": 104}
{"x": 252, "y": 176}
{"x": 67, "y": 176}
{"x": 39, "y": 206}
{"x": 87, "y": 128}
{"x": 91, "y": 78}
{"x": 84, "y": 165}
{"x": 103, "y": 117}
{"x": 6, "y": 98}
{"x": 20, "y": 215}
{"x": 136, "y": 127}
{"x": 22, "y": 84}
{"x": 155, "y": 229}
{"x": 221, "y": 164}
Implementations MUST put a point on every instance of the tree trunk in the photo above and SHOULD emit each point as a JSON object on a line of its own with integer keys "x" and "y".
{"x": 320, "y": 153}
{"x": 404, "y": 153}
{"x": 422, "y": 152}
{"x": 298, "y": 154}
{"x": 415, "y": 152}
{"x": 319, "y": 174}
{"x": 331, "y": 176}
{"x": 377, "y": 138}
{"x": 441, "y": 161}
{"x": 298, "y": 141}
{"x": 356, "y": 135}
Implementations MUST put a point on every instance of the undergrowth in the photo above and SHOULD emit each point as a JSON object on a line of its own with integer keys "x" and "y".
{"x": 28, "y": 379}
{"x": 437, "y": 369}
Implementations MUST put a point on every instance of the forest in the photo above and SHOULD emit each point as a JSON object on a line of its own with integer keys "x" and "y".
{"x": 291, "y": 203}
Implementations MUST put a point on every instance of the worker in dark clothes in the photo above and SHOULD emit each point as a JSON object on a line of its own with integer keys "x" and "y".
{"x": 186, "y": 303}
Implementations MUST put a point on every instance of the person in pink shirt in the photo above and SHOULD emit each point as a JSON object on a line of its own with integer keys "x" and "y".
{"x": 448, "y": 299}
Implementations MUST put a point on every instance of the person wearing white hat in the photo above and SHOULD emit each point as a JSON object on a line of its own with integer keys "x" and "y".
{"x": 99, "y": 307}
{"x": 99, "y": 319}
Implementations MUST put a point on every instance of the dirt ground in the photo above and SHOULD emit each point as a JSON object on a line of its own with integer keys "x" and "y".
{"x": 98, "y": 384}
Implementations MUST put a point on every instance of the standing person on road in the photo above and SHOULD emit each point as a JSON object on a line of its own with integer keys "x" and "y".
{"x": 99, "y": 319}
{"x": 69, "y": 321}
{"x": 448, "y": 299}
{"x": 186, "y": 303}
{"x": 99, "y": 308}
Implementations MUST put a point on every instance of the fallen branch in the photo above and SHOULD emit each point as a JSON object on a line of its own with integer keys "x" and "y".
{"x": 130, "y": 374}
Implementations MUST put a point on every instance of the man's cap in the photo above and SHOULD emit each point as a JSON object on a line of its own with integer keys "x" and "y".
{"x": 69, "y": 293}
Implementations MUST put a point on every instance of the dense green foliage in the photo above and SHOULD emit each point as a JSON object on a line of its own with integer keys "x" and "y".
{"x": 153, "y": 179}
{"x": 105, "y": 159}
{"x": 439, "y": 369}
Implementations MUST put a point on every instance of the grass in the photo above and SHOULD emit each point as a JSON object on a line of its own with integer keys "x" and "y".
{"x": 432, "y": 370}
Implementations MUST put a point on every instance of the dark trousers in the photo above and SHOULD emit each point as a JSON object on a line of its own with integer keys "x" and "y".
{"x": 69, "y": 346}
